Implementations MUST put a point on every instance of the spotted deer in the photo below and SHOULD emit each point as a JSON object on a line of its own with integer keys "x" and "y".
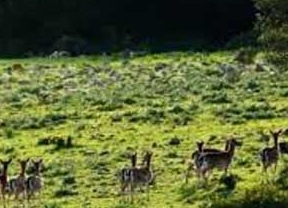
{"x": 143, "y": 175}
{"x": 34, "y": 182}
{"x": 193, "y": 163}
{"x": 269, "y": 155}
{"x": 125, "y": 174}
{"x": 4, "y": 177}
{"x": 220, "y": 160}
{"x": 17, "y": 184}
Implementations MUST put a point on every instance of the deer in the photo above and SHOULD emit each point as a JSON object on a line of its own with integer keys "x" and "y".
{"x": 17, "y": 184}
{"x": 125, "y": 173}
{"x": 142, "y": 175}
{"x": 34, "y": 182}
{"x": 193, "y": 164}
{"x": 220, "y": 160}
{"x": 270, "y": 155}
{"x": 4, "y": 177}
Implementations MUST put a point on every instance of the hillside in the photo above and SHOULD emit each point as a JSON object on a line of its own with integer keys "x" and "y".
{"x": 109, "y": 106}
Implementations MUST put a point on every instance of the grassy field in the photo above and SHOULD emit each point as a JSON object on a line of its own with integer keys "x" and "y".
{"x": 110, "y": 106}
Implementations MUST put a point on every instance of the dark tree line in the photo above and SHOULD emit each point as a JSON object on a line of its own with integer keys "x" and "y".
{"x": 95, "y": 25}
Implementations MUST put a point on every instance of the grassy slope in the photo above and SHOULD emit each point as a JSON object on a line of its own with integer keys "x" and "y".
{"x": 111, "y": 105}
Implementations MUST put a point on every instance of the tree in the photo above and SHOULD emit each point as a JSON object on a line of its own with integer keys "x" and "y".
{"x": 273, "y": 23}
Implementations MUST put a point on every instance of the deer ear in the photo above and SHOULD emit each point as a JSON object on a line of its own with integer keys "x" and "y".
{"x": 27, "y": 160}
{"x": 271, "y": 132}
{"x": 40, "y": 160}
{"x": 9, "y": 161}
{"x": 280, "y": 131}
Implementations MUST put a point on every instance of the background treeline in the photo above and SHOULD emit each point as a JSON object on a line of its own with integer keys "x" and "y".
{"x": 42, "y": 26}
{"x": 97, "y": 25}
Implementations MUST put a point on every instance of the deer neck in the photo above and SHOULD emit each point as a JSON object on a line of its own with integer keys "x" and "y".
{"x": 276, "y": 143}
{"x": 148, "y": 163}
{"x": 22, "y": 173}
{"x": 231, "y": 150}
{"x": 227, "y": 145}
{"x": 134, "y": 161}
{"x": 37, "y": 173}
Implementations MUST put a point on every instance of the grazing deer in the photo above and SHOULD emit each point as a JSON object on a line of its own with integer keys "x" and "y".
{"x": 3, "y": 177}
{"x": 195, "y": 156}
{"x": 34, "y": 182}
{"x": 220, "y": 160}
{"x": 270, "y": 155}
{"x": 17, "y": 185}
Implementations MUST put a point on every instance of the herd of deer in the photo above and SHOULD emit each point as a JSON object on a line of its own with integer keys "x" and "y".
{"x": 27, "y": 186}
{"x": 203, "y": 161}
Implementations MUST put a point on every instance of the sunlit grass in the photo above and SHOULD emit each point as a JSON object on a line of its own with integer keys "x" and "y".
{"x": 109, "y": 105}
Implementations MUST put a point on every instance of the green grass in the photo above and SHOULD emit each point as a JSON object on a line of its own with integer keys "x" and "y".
{"x": 108, "y": 106}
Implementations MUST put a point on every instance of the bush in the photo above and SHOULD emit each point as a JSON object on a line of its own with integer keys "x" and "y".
{"x": 68, "y": 180}
{"x": 258, "y": 196}
{"x": 64, "y": 192}
{"x": 272, "y": 23}
{"x": 216, "y": 98}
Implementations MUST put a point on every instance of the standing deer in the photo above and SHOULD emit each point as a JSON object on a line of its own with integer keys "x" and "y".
{"x": 125, "y": 174}
{"x": 4, "y": 177}
{"x": 143, "y": 175}
{"x": 17, "y": 185}
{"x": 193, "y": 164}
{"x": 270, "y": 155}
{"x": 131, "y": 177}
{"x": 34, "y": 182}
{"x": 220, "y": 160}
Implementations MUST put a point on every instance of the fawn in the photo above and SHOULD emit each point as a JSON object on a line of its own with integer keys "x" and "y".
{"x": 34, "y": 182}
{"x": 270, "y": 155}
{"x": 3, "y": 177}
{"x": 17, "y": 185}
{"x": 220, "y": 160}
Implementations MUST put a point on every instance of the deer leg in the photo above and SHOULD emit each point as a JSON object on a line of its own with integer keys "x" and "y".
{"x": 148, "y": 191}
{"x": 16, "y": 194}
{"x": 132, "y": 192}
{"x": 275, "y": 167}
{"x": 187, "y": 174}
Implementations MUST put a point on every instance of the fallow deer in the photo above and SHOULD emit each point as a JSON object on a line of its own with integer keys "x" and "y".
{"x": 143, "y": 175}
{"x": 125, "y": 173}
{"x": 194, "y": 165}
{"x": 34, "y": 183}
{"x": 4, "y": 177}
{"x": 270, "y": 155}
{"x": 220, "y": 160}
{"x": 17, "y": 184}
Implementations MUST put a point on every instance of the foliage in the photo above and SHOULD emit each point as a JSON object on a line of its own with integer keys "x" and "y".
{"x": 118, "y": 24}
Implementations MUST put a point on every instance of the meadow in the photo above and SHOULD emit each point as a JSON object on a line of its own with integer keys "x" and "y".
{"x": 84, "y": 115}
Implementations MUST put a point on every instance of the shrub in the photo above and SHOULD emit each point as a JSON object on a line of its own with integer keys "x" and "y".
{"x": 68, "y": 180}
{"x": 258, "y": 196}
{"x": 52, "y": 205}
{"x": 8, "y": 133}
{"x": 64, "y": 192}
{"x": 216, "y": 98}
